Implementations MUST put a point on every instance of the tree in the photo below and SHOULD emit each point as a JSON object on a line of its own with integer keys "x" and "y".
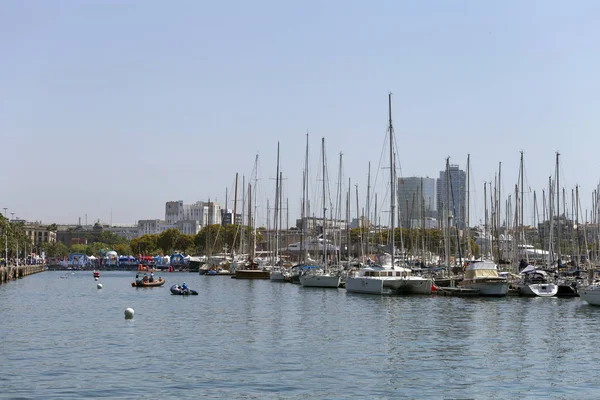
{"x": 122, "y": 248}
{"x": 52, "y": 228}
{"x": 111, "y": 238}
{"x": 57, "y": 249}
{"x": 214, "y": 238}
{"x": 79, "y": 248}
{"x": 168, "y": 239}
{"x": 185, "y": 243}
{"x": 145, "y": 245}
{"x": 97, "y": 248}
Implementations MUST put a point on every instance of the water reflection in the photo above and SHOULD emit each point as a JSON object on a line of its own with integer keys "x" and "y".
{"x": 256, "y": 339}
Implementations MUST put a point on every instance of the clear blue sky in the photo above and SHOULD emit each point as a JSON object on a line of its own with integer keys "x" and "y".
{"x": 123, "y": 105}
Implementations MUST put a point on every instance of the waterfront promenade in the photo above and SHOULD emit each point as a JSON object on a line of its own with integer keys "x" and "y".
{"x": 12, "y": 272}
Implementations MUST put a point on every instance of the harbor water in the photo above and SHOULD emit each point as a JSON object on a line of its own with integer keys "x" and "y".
{"x": 63, "y": 338}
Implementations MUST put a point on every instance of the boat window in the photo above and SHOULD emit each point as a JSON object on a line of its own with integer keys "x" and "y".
{"x": 390, "y": 273}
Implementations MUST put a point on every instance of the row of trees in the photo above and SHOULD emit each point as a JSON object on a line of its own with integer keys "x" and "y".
{"x": 213, "y": 239}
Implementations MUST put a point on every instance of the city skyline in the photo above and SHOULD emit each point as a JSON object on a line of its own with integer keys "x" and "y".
{"x": 107, "y": 116}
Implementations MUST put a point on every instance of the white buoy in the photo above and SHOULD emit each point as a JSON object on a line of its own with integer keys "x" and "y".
{"x": 129, "y": 313}
{"x": 96, "y": 278}
{"x": 99, "y": 286}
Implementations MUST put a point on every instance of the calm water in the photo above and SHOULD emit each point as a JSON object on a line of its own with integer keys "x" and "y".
{"x": 63, "y": 338}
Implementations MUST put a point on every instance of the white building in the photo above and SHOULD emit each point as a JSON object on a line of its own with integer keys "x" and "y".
{"x": 188, "y": 227}
{"x": 206, "y": 213}
{"x": 127, "y": 231}
{"x": 153, "y": 226}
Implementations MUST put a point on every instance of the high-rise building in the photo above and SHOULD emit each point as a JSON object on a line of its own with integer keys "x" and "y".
{"x": 416, "y": 201}
{"x": 458, "y": 194}
{"x": 206, "y": 213}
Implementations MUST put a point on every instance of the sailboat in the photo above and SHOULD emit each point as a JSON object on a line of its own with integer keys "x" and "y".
{"x": 251, "y": 268}
{"x": 591, "y": 293}
{"x": 388, "y": 277}
{"x": 321, "y": 276}
{"x": 535, "y": 281}
{"x": 278, "y": 272}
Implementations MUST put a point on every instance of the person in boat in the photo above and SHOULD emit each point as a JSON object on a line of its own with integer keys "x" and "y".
{"x": 151, "y": 277}
{"x": 184, "y": 286}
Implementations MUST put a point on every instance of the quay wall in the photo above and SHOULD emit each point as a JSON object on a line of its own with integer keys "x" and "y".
{"x": 13, "y": 272}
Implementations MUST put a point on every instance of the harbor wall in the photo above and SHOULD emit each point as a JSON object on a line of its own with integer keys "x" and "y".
{"x": 13, "y": 272}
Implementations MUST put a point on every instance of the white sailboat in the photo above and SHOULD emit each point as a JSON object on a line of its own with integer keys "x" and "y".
{"x": 534, "y": 281}
{"x": 387, "y": 277}
{"x": 321, "y": 277}
{"x": 591, "y": 294}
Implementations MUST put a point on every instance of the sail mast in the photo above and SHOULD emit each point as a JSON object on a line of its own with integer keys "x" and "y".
{"x": 304, "y": 214}
{"x": 276, "y": 219}
{"x": 468, "y": 204}
{"x": 392, "y": 185}
{"x": 324, "y": 231}
{"x": 558, "y": 237}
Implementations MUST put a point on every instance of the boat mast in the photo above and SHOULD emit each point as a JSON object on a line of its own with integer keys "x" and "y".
{"x": 392, "y": 185}
{"x": 368, "y": 222}
{"x": 280, "y": 211}
{"x": 324, "y": 231}
{"x": 255, "y": 209}
{"x": 558, "y": 207}
{"x": 234, "y": 214}
{"x": 485, "y": 223}
{"x": 348, "y": 201}
{"x": 276, "y": 218}
{"x": 303, "y": 211}
{"x": 468, "y": 205}
{"x": 499, "y": 209}
{"x": 447, "y": 219}
{"x": 551, "y": 223}
{"x": 242, "y": 229}
{"x": 338, "y": 211}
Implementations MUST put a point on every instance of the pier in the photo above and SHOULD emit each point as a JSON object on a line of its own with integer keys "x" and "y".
{"x": 12, "y": 272}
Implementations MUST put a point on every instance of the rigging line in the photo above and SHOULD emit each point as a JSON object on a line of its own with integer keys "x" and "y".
{"x": 379, "y": 166}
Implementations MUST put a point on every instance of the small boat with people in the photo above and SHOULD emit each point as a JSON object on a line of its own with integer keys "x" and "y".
{"x": 147, "y": 281}
{"x": 183, "y": 290}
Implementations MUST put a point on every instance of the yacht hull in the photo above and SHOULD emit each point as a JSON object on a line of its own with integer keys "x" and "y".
{"x": 364, "y": 285}
{"x": 538, "y": 290}
{"x": 325, "y": 281}
{"x": 411, "y": 285}
{"x": 590, "y": 295}
{"x": 492, "y": 289}
{"x": 277, "y": 276}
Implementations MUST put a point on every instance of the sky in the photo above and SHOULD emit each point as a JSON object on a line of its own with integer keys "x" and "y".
{"x": 110, "y": 108}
